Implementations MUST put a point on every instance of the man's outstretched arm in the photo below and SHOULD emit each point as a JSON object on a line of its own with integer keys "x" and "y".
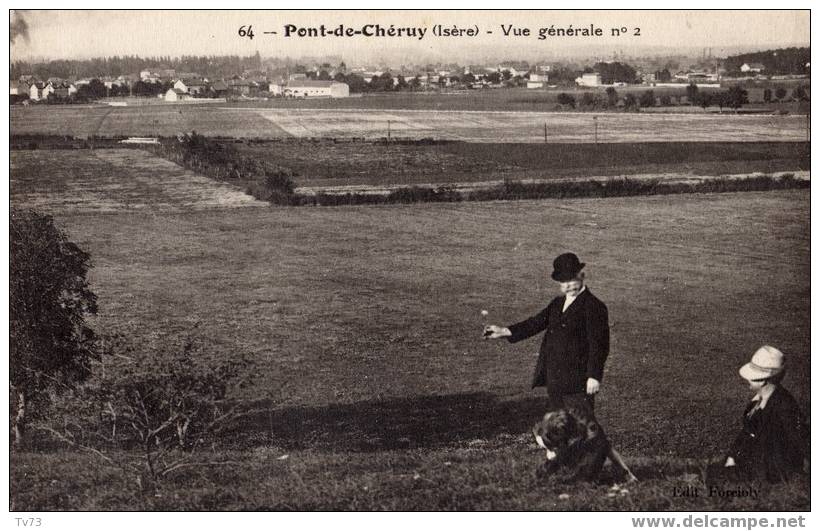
{"x": 519, "y": 331}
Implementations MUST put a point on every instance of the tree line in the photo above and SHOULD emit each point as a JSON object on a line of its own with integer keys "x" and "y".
{"x": 781, "y": 61}
{"x": 211, "y": 66}
{"x": 734, "y": 98}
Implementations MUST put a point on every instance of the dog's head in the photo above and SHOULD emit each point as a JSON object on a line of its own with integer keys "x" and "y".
{"x": 557, "y": 431}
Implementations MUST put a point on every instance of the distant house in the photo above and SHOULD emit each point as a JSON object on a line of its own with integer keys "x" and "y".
{"x": 539, "y": 77}
{"x": 701, "y": 77}
{"x": 514, "y": 68}
{"x": 316, "y": 89}
{"x": 175, "y": 94}
{"x": 22, "y": 86}
{"x": 220, "y": 88}
{"x": 36, "y": 91}
{"x": 149, "y": 77}
{"x": 752, "y": 67}
{"x": 242, "y": 86}
{"x": 589, "y": 80}
{"x": 64, "y": 89}
{"x": 191, "y": 86}
{"x": 276, "y": 86}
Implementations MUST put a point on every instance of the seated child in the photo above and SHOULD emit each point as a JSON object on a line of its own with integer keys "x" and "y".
{"x": 773, "y": 444}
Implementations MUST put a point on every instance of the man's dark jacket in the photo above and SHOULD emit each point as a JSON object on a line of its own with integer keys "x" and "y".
{"x": 575, "y": 345}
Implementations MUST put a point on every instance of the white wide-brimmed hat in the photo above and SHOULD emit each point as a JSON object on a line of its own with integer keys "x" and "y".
{"x": 766, "y": 362}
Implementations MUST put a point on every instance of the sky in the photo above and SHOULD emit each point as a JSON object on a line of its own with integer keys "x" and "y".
{"x": 81, "y": 34}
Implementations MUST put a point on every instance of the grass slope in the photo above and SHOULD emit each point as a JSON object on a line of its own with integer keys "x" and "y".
{"x": 364, "y": 324}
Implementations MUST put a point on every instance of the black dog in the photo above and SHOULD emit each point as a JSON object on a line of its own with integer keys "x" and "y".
{"x": 576, "y": 446}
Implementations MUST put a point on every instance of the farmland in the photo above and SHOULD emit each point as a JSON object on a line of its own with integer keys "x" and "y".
{"x": 472, "y": 126}
{"x": 114, "y": 180}
{"x": 364, "y": 324}
{"x": 328, "y": 163}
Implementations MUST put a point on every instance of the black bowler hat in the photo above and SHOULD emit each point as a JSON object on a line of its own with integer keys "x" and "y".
{"x": 566, "y": 267}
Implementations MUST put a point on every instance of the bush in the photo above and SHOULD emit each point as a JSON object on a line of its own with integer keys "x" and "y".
{"x": 566, "y": 99}
{"x": 647, "y": 99}
{"x": 149, "y": 409}
{"x": 50, "y": 345}
{"x": 276, "y": 188}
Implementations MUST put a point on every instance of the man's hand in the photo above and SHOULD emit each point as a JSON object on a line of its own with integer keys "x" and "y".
{"x": 593, "y": 386}
{"x": 496, "y": 332}
{"x": 729, "y": 461}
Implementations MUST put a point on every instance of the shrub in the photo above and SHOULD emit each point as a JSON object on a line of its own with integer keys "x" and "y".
{"x": 149, "y": 409}
{"x": 276, "y": 188}
{"x": 566, "y": 99}
{"x": 50, "y": 345}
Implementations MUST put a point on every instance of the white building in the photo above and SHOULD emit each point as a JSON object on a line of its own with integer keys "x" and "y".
{"x": 539, "y": 77}
{"x": 752, "y": 67}
{"x": 191, "y": 86}
{"x": 174, "y": 94}
{"x": 308, "y": 88}
{"x": 277, "y": 86}
{"x": 589, "y": 80}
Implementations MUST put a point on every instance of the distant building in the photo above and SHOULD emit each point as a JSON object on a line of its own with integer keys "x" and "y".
{"x": 175, "y": 94}
{"x": 701, "y": 77}
{"x": 539, "y": 77}
{"x": 514, "y": 68}
{"x": 36, "y": 91}
{"x": 64, "y": 89}
{"x": 752, "y": 67}
{"x": 589, "y": 80}
{"x": 220, "y": 88}
{"x": 242, "y": 86}
{"x": 191, "y": 86}
{"x": 21, "y": 87}
{"x": 276, "y": 86}
{"x": 316, "y": 89}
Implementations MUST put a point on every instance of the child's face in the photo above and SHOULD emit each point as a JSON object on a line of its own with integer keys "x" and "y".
{"x": 756, "y": 385}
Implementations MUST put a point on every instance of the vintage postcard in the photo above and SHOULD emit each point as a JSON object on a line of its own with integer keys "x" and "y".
{"x": 411, "y": 261}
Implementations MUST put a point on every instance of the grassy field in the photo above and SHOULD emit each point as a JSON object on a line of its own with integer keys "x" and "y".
{"x": 364, "y": 326}
{"x": 472, "y": 126}
{"x": 114, "y": 180}
{"x": 329, "y": 163}
{"x": 527, "y": 100}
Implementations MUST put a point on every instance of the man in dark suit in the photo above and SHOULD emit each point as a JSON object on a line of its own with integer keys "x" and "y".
{"x": 576, "y": 338}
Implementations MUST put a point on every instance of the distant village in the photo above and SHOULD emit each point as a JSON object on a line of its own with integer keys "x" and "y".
{"x": 328, "y": 81}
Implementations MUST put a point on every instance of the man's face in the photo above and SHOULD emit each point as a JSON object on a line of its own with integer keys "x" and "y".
{"x": 571, "y": 288}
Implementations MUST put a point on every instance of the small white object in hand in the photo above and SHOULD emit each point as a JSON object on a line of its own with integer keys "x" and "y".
{"x": 563, "y": 496}
{"x": 485, "y": 313}
{"x": 283, "y": 457}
